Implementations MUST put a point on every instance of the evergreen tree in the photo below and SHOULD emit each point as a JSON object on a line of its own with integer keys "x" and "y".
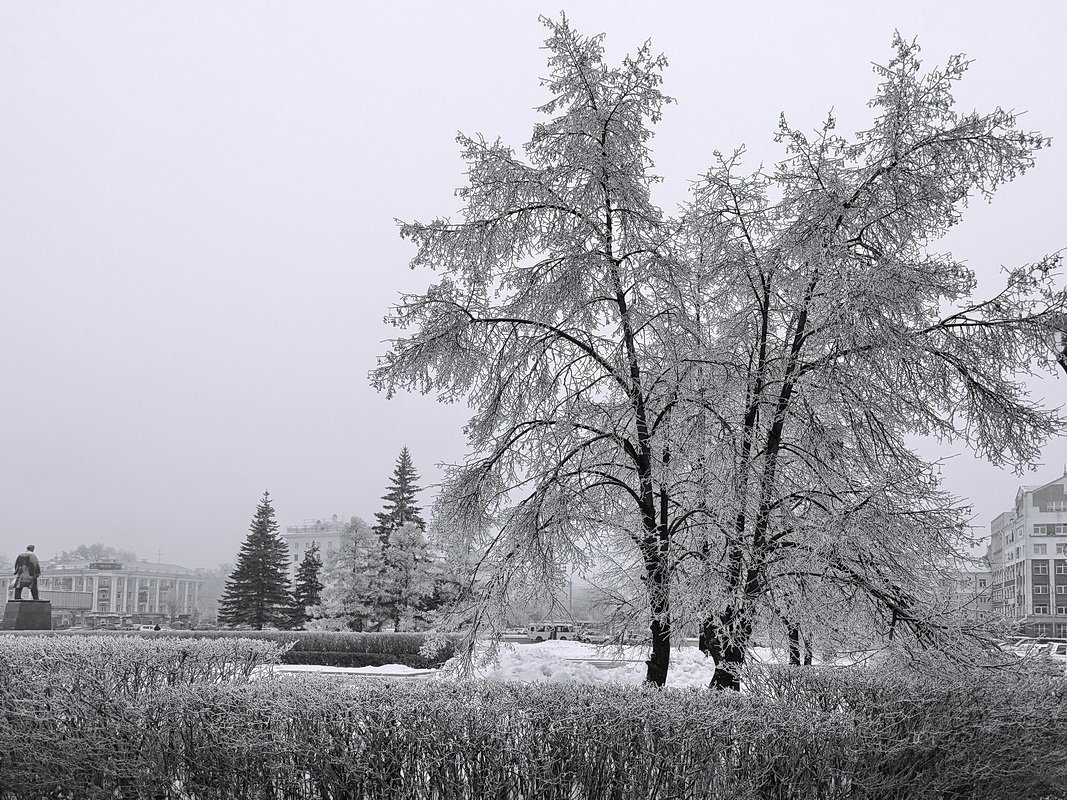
{"x": 352, "y": 596}
{"x": 408, "y": 576}
{"x": 400, "y": 501}
{"x": 308, "y": 591}
{"x": 257, "y": 591}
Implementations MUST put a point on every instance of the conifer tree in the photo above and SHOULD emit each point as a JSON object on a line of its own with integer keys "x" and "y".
{"x": 408, "y": 576}
{"x": 308, "y": 591}
{"x": 400, "y": 501}
{"x": 353, "y": 575}
{"x": 257, "y": 591}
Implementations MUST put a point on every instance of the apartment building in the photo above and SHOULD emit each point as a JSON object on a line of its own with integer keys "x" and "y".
{"x": 1027, "y": 554}
{"x": 972, "y": 592}
{"x": 327, "y": 534}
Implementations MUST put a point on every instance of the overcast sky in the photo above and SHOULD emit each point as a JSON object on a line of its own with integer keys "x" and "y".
{"x": 197, "y": 237}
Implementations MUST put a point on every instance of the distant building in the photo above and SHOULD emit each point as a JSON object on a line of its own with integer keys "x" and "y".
{"x": 107, "y": 593}
{"x": 327, "y": 534}
{"x": 972, "y": 593}
{"x": 1028, "y": 557}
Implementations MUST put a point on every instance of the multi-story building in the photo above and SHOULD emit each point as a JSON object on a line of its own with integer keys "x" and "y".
{"x": 972, "y": 593}
{"x": 1027, "y": 554}
{"x": 327, "y": 534}
{"x": 116, "y": 593}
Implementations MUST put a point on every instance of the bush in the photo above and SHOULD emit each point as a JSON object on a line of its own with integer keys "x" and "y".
{"x": 960, "y": 732}
{"x": 801, "y": 733}
{"x": 331, "y": 648}
{"x": 112, "y": 666}
{"x": 72, "y": 699}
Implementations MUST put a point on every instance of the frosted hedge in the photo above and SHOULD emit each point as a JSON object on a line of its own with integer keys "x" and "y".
{"x": 75, "y": 723}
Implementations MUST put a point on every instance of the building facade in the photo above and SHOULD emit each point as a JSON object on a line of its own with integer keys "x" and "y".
{"x": 327, "y": 534}
{"x": 1027, "y": 554}
{"x": 116, "y": 594}
{"x": 972, "y": 593}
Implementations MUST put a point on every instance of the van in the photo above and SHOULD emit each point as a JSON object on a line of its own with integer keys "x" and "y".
{"x": 543, "y": 631}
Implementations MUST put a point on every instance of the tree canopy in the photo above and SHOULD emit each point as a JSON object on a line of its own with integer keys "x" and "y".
{"x": 731, "y": 392}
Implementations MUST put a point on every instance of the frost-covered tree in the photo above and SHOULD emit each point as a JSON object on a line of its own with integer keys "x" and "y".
{"x": 308, "y": 590}
{"x": 96, "y": 552}
{"x": 400, "y": 506}
{"x": 821, "y": 336}
{"x": 728, "y": 394}
{"x": 409, "y": 576}
{"x": 257, "y": 591}
{"x": 353, "y": 579}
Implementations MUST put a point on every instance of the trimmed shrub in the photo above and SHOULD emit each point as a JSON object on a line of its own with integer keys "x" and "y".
{"x": 112, "y": 666}
{"x": 331, "y": 648}
{"x": 958, "y": 732}
{"x": 800, "y": 733}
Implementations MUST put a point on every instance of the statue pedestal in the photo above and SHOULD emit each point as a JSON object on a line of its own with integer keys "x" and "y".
{"x": 27, "y": 615}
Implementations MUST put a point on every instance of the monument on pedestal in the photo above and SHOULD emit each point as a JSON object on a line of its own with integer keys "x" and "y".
{"x": 27, "y": 615}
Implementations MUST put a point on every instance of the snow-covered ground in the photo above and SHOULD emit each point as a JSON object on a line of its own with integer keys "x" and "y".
{"x": 558, "y": 662}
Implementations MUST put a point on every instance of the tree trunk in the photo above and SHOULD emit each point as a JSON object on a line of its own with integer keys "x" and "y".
{"x": 660, "y": 659}
{"x": 724, "y": 640}
{"x": 659, "y": 605}
{"x": 794, "y": 645}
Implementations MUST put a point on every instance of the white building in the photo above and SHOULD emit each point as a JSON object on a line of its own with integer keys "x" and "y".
{"x": 112, "y": 592}
{"x": 327, "y": 534}
{"x": 1028, "y": 558}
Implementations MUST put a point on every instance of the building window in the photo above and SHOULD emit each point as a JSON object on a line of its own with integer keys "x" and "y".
{"x": 1041, "y": 610}
{"x": 1056, "y": 505}
{"x": 1051, "y": 529}
{"x": 1061, "y": 630}
{"x": 1061, "y": 610}
{"x": 1061, "y": 588}
{"x": 1061, "y": 567}
{"x": 1041, "y": 588}
{"x": 1040, "y": 568}
{"x": 1042, "y": 629}
{"x": 1040, "y": 549}
{"x": 981, "y": 583}
{"x": 1061, "y": 549}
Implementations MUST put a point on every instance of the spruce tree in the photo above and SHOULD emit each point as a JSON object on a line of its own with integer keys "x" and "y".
{"x": 408, "y": 579}
{"x": 354, "y": 575}
{"x": 400, "y": 501}
{"x": 308, "y": 591}
{"x": 257, "y": 591}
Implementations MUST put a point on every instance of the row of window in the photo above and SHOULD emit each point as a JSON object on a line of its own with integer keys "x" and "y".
{"x": 1051, "y": 529}
{"x": 1045, "y": 629}
{"x": 1042, "y": 549}
{"x": 1061, "y": 611}
{"x": 1041, "y": 568}
{"x": 1043, "y": 588}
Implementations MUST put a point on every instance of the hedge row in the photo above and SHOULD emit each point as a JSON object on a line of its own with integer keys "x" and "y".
{"x": 113, "y": 668}
{"x": 802, "y": 733}
{"x": 332, "y": 648}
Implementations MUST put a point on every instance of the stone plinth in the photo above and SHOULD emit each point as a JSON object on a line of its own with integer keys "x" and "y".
{"x": 27, "y": 615}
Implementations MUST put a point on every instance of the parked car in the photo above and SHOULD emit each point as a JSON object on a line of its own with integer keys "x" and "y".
{"x": 594, "y": 636}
